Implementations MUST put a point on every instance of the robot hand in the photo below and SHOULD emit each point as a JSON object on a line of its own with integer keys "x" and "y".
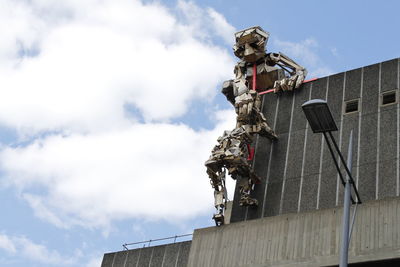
{"x": 289, "y": 83}
{"x": 244, "y": 104}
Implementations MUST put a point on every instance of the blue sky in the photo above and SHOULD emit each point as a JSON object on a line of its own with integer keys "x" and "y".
{"x": 108, "y": 110}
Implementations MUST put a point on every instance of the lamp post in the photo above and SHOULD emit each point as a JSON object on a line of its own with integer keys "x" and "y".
{"x": 321, "y": 121}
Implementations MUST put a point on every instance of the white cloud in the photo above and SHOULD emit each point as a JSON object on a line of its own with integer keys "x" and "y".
{"x": 19, "y": 32}
{"x": 204, "y": 23}
{"x": 41, "y": 210}
{"x": 32, "y": 251}
{"x": 77, "y": 85}
{"x": 306, "y": 53}
{"x": 6, "y": 244}
{"x": 40, "y": 253}
{"x": 221, "y": 26}
{"x": 95, "y": 262}
{"x": 79, "y": 78}
{"x": 101, "y": 57}
{"x": 149, "y": 171}
{"x": 335, "y": 52}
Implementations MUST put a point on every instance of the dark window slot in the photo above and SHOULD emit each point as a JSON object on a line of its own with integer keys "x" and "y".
{"x": 389, "y": 98}
{"x": 351, "y": 106}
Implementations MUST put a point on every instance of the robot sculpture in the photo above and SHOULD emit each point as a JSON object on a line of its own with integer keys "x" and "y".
{"x": 254, "y": 72}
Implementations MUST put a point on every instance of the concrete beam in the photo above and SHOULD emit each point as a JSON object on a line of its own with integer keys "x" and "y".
{"x": 301, "y": 239}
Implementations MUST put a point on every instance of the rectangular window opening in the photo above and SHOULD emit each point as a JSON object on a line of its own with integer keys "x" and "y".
{"x": 389, "y": 98}
{"x": 351, "y": 106}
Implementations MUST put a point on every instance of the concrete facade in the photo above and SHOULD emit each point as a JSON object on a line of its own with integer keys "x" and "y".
{"x": 297, "y": 170}
{"x": 302, "y": 239}
{"x": 171, "y": 255}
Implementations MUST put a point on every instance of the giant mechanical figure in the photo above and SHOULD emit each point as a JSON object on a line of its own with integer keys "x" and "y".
{"x": 254, "y": 72}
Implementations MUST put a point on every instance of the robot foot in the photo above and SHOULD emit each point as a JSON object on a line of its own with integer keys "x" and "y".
{"x": 248, "y": 201}
{"x": 219, "y": 219}
{"x": 273, "y": 136}
{"x": 269, "y": 134}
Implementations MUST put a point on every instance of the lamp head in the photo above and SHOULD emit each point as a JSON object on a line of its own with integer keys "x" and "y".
{"x": 319, "y": 116}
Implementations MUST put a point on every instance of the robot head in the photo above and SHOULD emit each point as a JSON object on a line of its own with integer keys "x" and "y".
{"x": 250, "y": 44}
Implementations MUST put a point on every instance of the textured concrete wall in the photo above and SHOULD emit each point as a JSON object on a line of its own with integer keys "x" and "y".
{"x": 297, "y": 171}
{"x": 171, "y": 255}
{"x": 301, "y": 239}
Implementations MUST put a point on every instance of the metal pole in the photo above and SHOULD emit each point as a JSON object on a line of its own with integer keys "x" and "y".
{"x": 344, "y": 251}
{"x": 334, "y": 158}
{"x": 335, "y": 161}
{"x": 347, "y": 170}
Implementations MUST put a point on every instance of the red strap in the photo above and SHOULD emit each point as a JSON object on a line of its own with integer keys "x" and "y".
{"x": 310, "y": 80}
{"x": 266, "y": 92}
{"x": 250, "y": 151}
{"x": 254, "y": 77}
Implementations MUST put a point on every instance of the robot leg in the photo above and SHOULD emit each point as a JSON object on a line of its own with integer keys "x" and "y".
{"x": 220, "y": 198}
{"x": 266, "y": 130}
{"x": 246, "y": 186}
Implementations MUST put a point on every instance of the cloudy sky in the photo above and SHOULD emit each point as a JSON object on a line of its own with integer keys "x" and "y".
{"x": 109, "y": 108}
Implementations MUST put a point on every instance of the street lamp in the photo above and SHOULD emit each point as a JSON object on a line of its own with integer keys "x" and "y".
{"x": 319, "y": 116}
{"x": 321, "y": 121}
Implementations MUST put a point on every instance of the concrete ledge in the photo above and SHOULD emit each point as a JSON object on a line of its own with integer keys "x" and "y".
{"x": 170, "y": 255}
{"x": 301, "y": 239}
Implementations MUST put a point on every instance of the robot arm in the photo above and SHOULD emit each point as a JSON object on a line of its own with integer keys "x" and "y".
{"x": 297, "y": 72}
{"x": 227, "y": 90}
{"x": 238, "y": 86}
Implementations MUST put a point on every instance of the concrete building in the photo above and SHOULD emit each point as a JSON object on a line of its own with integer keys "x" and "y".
{"x": 298, "y": 220}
